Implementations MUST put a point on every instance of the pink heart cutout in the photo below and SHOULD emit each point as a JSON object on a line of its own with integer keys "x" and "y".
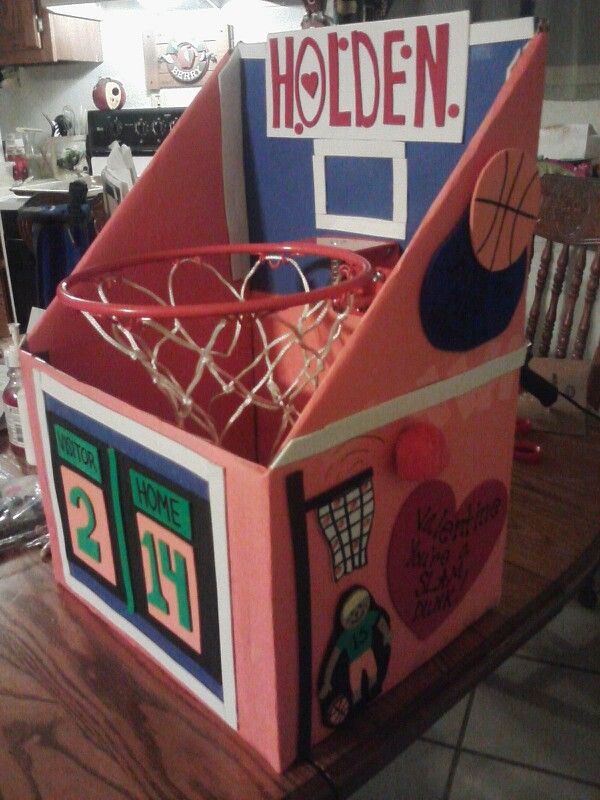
{"x": 437, "y": 552}
{"x": 310, "y": 82}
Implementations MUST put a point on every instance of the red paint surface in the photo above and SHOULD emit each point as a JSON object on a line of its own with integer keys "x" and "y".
{"x": 310, "y": 82}
{"x": 283, "y": 79}
{"x": 314, "y": 81}
{"x": 437, "y": 69}
{"x": 392, "y": 78}
{"x": 337, "y": 116}
{"x": 360, "y": 39}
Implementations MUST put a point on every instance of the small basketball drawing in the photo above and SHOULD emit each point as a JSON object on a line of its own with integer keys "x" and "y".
{"x": 504, "y": 208}
{"x": 337, "y": 710}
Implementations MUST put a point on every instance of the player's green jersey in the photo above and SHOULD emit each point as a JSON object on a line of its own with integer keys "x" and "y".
{"x": 358, "y": 640}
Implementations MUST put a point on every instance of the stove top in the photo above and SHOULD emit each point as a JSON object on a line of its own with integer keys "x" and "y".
{"x": 142, "y": 129}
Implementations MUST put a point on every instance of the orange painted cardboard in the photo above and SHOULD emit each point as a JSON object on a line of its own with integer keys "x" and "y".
{"x": 278, "y": 593}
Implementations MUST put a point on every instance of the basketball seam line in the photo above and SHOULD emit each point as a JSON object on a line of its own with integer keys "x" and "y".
{"x": 506, "y": 207}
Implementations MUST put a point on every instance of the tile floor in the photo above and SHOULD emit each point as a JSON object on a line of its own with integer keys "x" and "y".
{"x": 531, "y": 731}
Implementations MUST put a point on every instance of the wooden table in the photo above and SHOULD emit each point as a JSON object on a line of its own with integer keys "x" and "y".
{"x": 81, "y": 717}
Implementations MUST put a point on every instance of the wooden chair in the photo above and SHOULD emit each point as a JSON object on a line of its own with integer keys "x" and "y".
{"x": 569, "y": 217}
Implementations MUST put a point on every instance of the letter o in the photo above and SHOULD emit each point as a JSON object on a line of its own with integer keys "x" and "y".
{"x": 306, "y": 43}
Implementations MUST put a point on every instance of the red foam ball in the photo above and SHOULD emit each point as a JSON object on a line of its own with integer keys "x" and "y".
{"x": 421, "y": 452}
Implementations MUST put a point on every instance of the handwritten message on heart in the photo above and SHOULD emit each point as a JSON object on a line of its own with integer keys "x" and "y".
{"x": 436, "y": 551}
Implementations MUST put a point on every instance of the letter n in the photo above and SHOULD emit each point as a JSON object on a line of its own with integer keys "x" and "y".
{"x": 438, "y": 73}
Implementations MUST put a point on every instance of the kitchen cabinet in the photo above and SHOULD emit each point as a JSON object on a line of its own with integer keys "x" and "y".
{"x": 19, "y": 25}
{"x": 30, "y": 34}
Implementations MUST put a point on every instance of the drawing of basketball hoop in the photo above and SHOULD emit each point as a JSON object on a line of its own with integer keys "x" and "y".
{"x": 244, "y": 350}
{"x": 345, "y": 516}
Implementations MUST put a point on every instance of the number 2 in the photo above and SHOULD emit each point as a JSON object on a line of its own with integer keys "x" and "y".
{"x": 86, "y": 544}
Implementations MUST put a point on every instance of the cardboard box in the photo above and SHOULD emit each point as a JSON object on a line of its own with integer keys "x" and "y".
{"x": 284, "y": 590}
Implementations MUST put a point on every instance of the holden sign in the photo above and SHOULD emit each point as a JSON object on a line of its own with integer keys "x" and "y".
{"x": 396, "y": 80}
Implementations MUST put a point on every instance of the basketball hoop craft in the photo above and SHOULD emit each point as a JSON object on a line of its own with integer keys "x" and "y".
{"x": 277, "y": 477}
{"x": 144, "y": 320}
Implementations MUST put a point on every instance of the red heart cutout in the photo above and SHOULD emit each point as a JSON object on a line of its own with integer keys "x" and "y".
{"x": 436, "y": 552}
{"x": 310, "y": 82}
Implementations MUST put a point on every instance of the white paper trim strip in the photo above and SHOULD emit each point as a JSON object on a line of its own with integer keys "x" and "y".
{"x": 232, "y": 150}
{"x": 395, "y": 151}
{"x": 377, "y": 416}
{"x": 506, "y": 30}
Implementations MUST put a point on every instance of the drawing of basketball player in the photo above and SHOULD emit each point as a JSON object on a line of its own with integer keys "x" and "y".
{"x": 360, "y": 621}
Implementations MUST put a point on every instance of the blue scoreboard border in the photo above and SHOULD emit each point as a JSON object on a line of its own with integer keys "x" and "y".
{"x": 174, "y": 473}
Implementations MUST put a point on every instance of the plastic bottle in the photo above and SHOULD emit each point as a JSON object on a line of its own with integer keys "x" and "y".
{"x": 9, "y": 397}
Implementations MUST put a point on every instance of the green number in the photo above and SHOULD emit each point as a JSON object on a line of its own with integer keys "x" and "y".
{"x": 155, "y": 597}
{"x": 92, "y": 549}
{"x": 178, "y": 576}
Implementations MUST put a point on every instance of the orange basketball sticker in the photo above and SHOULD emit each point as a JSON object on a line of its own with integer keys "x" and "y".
{"x": 504, "y": 208}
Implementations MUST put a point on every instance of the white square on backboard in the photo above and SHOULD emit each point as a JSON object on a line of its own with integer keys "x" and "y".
{"x": 394, "y": 228}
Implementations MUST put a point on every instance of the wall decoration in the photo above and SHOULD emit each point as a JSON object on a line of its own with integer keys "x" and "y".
{"x": 356, "y": 661}
{"x": 504, "y": 208}
{"x": 186, "y": 59}
{"x": 437, "y": 551}
{"x": 462, "y": 304}
{"x": 391, "y": 80}
{"x": 109, "y": 94}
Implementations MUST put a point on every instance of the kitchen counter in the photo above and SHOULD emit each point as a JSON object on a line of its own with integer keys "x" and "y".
{"x": 55, "y": 189}
{"x": 9, "y": 201}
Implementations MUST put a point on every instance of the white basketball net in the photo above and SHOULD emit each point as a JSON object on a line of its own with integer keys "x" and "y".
{"x": 346, "y": 523}
{"x": 256, "y": 384}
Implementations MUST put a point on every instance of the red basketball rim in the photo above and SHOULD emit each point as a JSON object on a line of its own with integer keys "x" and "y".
{"x": 360, "y": 283}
